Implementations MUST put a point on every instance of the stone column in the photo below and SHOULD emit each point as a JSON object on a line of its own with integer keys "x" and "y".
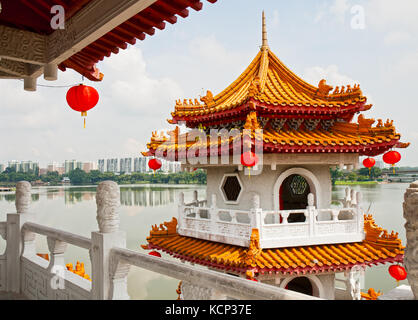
{"x": 108, "y": 237}
{"x": 256, "y": 214}
{"x": 14, "y": 247}
{"x": 410, "y": 213}
{"x": 312, "y": 213}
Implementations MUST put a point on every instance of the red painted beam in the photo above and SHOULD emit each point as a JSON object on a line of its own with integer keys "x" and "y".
{"x": 122, "y": 37}
{"x": 159, "y": 14}
{"x": 194, "y": 4}
{"x": 174, "y": 9}
{"x": 138, "y": 28}
{"x": 127, "y": 30}
{"x": 159, "y": 24}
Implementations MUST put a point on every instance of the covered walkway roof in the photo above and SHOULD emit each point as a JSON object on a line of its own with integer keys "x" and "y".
{"x": 30, "y": 45}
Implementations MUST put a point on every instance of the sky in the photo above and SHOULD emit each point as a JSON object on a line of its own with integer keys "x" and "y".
{"x": 370, "y": 42}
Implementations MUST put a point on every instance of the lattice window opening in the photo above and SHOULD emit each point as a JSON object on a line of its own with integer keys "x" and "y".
{"x": 346, "y": 215}
{"x": 231, "y": 188}
{"x": 271, "y": 218}
{"x": 72, "y": 255}
{"x": 298, "y": 185}
{"x": 204, "y": 213}
{"x": 224, "y": 216}
{"x": 243, "y": 217}
{"x": 296, "y": 217}
{"x": 324, "y": 215}
{"x": 190, "y": 213}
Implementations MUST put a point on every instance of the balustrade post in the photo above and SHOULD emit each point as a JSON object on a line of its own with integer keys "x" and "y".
{"x": 256, "y": 215}
{"x": 57, "y": 249}
{"x": 312, "y": 213}
{"x": 359, "y": 212}
{"x": 410, "y": 213}
{"x": 213, "y": 213}
{"x": 14, "y": 237}
{"x": 181, "y": 212}
{"x": 195, "y": 198}
{"x": 347, "y": 198}
{"x": 353, "y": 202}
{"x": 108, "y": 237}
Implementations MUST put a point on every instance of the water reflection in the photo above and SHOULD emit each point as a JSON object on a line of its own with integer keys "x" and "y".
{"x": 137, "y": 196}
{"x": 11, "y": 197}
{"x": 74, "y": 209}
{"x": 149, "y": 197}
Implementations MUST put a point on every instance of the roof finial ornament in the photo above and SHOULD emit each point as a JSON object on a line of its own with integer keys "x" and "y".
{"x": 264, "y": 44}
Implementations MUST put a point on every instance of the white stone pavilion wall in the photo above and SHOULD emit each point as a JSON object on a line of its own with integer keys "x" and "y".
{"x": 264, "y": 185}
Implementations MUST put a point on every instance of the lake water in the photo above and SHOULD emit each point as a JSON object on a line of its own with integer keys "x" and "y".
{"x": 73, "y": 209}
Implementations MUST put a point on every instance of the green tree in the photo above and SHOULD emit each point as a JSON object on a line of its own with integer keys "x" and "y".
{"x": 79, "y": 177}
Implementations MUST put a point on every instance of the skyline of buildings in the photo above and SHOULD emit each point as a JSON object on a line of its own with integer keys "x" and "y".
{"x": 125, "y": 165}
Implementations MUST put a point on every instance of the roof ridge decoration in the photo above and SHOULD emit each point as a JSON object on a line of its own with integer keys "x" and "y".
{"x": 377, "y": 236}
{"x": 165, "y": 229}
{"x": 254, "y": 249}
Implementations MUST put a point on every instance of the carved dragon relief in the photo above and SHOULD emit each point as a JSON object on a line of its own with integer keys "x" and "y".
{"x": 165, "y": 229}
{"x": 254, "y": 249}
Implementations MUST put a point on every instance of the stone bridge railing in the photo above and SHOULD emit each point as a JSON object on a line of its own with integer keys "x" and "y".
{"x": 276, "y": 228}
{"x": 22, "y": 271}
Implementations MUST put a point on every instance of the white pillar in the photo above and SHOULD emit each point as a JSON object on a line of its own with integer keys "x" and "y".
{"x": 14, "y": 247}
{"x": 312, "y": 213}
{"x": 108, "y": 236}
{"x": 256, "y": 214}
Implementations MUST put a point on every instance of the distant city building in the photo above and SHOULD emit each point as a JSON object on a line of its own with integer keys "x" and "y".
{"x": 126, "y": 165}
{"x": 79, "y": 165}
{"x": 13, "y": 164}
{"x": 23, "y": 166}
{"x": 43, "y": 171}
{"x": 69, "y": 165}
{"x": 112, "y": 165}
{"x": 2, "y": 167}
{"x": 101, "y": 165}
{"x": 140, "y": 164}
{"x": 88, "y": 166}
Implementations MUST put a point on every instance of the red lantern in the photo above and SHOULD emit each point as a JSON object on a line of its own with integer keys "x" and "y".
{"x": 154, "y": 164}
{"x": 391, "y": 158}
{"x": 369, "y": 163}
{"x": 249, "y": 159}
{"x": 398, "y": 272}
{"x": 82, "y": 98}
{"x": 155, "y": 254}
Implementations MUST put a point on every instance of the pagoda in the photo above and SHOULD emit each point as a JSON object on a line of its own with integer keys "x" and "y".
{"x": 275, "y": 224}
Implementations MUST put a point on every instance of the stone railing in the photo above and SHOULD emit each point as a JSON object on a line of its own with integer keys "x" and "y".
{"x": 276, "y": 228}
{"x": 22, "y": 271}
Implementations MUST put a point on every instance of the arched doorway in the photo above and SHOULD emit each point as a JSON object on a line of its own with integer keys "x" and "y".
{"x": 300, "y": 284}
{"x": 313, "y": 182}
{"x": 293, "y": 194}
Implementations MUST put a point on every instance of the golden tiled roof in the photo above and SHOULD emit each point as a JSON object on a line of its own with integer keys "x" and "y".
{"x": 269, "y": 81}
{"x": 359, "y": 137}
{"x": 304, "y": 259}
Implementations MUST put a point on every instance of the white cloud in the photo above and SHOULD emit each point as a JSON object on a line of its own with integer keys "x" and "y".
{"x": 389, "y": 15}
{"x": 330, "y": 73}
{"x": 335, "y": 11}
{"x": 397, "y": 37}
{"x": 339, "y": 9}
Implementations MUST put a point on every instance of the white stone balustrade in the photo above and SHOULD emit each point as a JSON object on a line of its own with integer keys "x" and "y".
{"x": 321, "y": 226}
{"x": 22, "y": 271}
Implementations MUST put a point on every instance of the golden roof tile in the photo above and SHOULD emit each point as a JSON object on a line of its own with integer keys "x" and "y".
{"x": 315, "y": 258}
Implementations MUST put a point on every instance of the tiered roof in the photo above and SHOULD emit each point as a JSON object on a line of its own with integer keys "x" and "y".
{"x": 378, "y": 247}
{"x": 295, "y": 116}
